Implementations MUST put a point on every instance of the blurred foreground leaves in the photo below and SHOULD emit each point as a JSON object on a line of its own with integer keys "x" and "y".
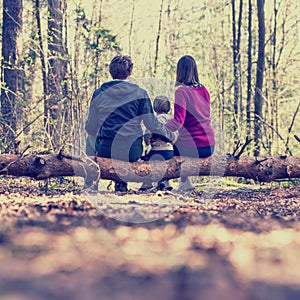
{"x": 239, "y": 244}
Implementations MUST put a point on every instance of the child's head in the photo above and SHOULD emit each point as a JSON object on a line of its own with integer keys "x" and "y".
{"x": 161, "y": 104}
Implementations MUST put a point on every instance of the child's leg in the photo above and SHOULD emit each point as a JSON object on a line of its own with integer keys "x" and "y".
{"x": 146, "y": 186}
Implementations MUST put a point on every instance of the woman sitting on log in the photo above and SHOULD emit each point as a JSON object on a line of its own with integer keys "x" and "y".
{"x": 191, "y": 116}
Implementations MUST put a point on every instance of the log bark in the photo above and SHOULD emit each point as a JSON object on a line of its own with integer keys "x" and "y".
{"x": 262, "y": 169}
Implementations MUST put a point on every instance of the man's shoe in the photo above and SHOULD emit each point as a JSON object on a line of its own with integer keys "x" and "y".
{"x": 121, "y": 187}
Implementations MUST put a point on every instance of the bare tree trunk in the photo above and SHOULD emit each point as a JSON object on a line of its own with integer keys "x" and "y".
{"x": 158, "y": 38}
{"x": 56, "y": 72}
{"x": 278, "y": 47}
{"x": 131, "y": 27}
{"x": 258, "y": 98}
{"x": 235, "y": 70}
{"x": 27, "y": 113}
{"x": 67, "y": 127}
{"x": 172, "y": 37}
{"x": 11, "y": 34}
{"x": 76, "y": 103}
{"x": 240, "y": 104}
{"x": 43, "y": 59}
{"x": 236, "y": 40}
{"x": 249, "y": 70}
{"x": 273, "y": 94}
{"x": 97, "y": 41}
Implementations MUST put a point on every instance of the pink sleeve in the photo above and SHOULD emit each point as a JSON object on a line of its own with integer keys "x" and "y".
{"x": 179, "y": 111}
{"x": 206, "y": 93}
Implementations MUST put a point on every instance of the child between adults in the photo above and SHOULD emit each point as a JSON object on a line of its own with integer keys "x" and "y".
{"x": 159, "y": 148}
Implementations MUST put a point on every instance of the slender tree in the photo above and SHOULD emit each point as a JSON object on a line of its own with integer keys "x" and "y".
{"x": 258, "y": 98}
{"x": 97, "y": 39}
{"x": 158, "y": 37}
{"x": 56, "y": 72}
{"x": 236, "y": 41}
{"x": 172, "y": 37}
{"x": 41, "y": 52}
{"x": 272, "y": 87}
{"x": 249, "y": 70}
{"x": 30, "y": 72}
{"x": 10, "y": 92}
{"x": 131, "y": 27}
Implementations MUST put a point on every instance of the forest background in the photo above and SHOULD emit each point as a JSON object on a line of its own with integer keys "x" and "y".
{"x": 56, "y": 52}
{"x": 238, "y": 242}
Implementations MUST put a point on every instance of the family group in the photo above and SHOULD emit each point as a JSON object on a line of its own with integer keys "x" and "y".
{"x": 122, "y": 119}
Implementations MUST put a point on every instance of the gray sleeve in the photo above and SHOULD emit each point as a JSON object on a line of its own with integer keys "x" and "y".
{"x": 91, "y": 125}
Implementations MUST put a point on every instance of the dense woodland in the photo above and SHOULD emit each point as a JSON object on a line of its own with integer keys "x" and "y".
{"x": 56, "y": 52}
{"x": 233, "y": 241}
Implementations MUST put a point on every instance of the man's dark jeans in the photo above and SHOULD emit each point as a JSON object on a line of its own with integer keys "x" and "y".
{"x": 116, "y": 150}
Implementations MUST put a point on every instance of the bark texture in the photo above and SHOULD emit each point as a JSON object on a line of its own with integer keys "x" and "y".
{"x": 263, "y": 169}
{"x": 11, "y": 79}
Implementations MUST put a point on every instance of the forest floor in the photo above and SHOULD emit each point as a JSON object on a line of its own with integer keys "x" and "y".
{"x": 59, "y": 242}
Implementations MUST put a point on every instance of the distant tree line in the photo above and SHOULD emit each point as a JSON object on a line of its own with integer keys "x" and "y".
{"x": 55, "y": 55}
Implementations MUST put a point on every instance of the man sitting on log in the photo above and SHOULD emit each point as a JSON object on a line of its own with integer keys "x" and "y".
{"x": 116, "y": 113}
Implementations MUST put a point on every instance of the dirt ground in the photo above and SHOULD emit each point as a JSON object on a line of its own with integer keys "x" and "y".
{"x": 60, "y": 243}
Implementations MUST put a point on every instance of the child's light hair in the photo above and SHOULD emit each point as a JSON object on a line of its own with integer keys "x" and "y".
{"x": 161, "y": 104}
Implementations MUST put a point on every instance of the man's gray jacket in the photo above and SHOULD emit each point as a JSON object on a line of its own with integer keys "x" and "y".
{"x": 118, "y": 108}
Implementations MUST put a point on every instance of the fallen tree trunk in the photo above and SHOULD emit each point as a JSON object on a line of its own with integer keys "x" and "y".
{"x": 263, "y": 169}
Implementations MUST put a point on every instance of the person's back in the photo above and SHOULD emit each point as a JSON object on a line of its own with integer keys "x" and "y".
{"x": 123, "y": 106}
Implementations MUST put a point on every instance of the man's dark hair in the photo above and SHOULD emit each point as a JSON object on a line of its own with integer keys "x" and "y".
{"x": 120, "y": 67}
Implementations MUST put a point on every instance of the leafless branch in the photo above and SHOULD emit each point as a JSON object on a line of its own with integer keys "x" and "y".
{"x": 240, "y": 146}
{"x": 247, "y": 142}
{"x": 5, "y": 169}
